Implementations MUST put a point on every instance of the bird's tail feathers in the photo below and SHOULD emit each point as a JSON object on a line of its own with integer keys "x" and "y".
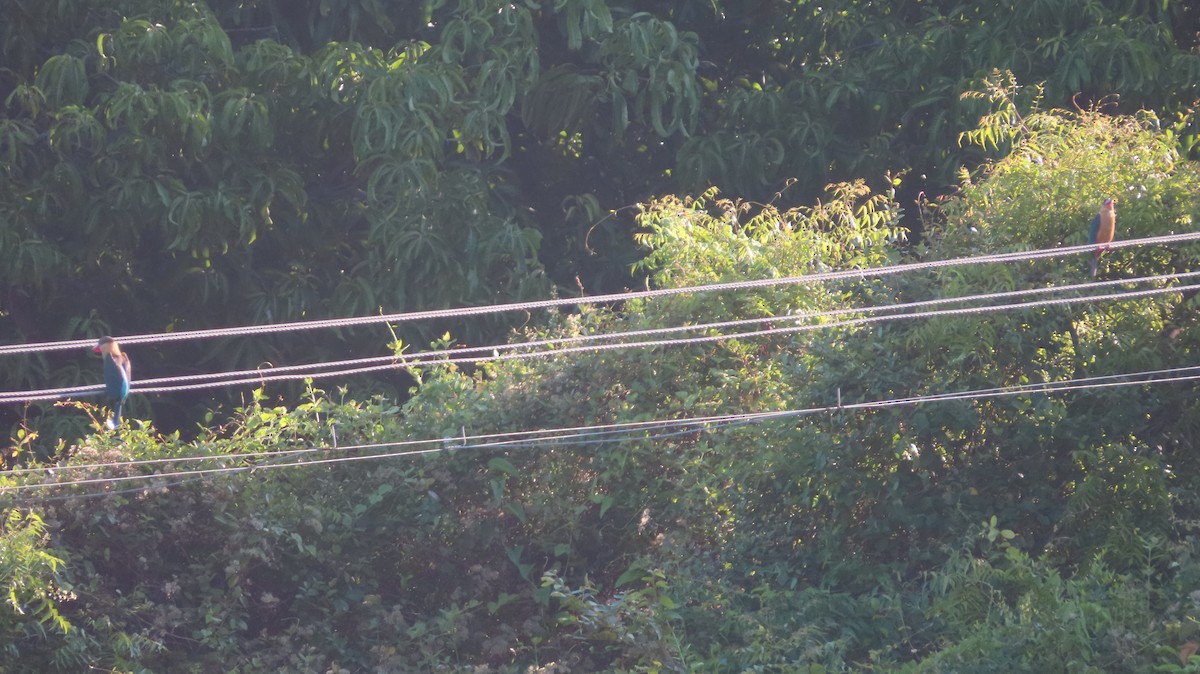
{"x": 115, "y": 420}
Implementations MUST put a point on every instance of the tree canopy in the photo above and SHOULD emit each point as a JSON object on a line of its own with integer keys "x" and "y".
{"x": 816, "y": 481}
{"x": 1013, "y": 528}
{"x": 171, "y": 165}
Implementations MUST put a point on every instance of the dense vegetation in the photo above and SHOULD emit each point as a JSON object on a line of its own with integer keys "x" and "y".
{"x": 167, "y": 165}
{"x": 1035, "y": 532}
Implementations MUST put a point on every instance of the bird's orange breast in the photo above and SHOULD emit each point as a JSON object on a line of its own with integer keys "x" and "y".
{"x": 1108, "y": 226}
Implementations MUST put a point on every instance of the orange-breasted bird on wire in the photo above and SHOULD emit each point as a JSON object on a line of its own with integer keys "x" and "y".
{"x": 1104, "y": 227}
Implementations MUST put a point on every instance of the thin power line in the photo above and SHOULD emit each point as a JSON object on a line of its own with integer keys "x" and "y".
{"x": 118, "y": 492}
{"x": 18, "y": 349}
{"x": 448, "y": 440}
{"x": 574, "y": 439}
{"x": 460, "y": 355}
{"x": 695, "y": 425}
{"x": 695, "y": 327}
{"x": 445, "y": 357}
{"x": 571, "y": 432}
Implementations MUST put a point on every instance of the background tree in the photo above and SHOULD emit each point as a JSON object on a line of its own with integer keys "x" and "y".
{"x": 1028, "y": 532}
{"x": 174, "y": 165}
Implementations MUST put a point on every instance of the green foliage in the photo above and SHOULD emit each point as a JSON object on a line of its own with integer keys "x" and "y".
{"x": 825, "y": 544}
{"x": 410, "y": 563}
{"x": 636, "y": 625}
{"x": 360, "y": 154}
{"x": 27, "y": 575}
{"x": 282, "y": 160}
{"x": 851, "y": 88}
{"x": 1072, "y": 161}
{"x": 266, "y": 161}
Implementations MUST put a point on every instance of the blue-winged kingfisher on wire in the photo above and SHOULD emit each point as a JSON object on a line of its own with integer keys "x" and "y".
{"x": 117, "y": 374}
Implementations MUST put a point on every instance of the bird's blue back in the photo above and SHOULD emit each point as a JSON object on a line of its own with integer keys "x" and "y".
{"x": 116, "y": 384}
{"x": 1095, "y": 229}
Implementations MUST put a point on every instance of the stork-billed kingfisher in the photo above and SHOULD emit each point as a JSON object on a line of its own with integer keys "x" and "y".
{"x": 1104, "y": 227}
{"x": 117, "y": 374}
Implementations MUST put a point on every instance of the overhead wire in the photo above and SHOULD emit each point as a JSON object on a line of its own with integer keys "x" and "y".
{"x": 693, "y": 327}
{"x": 441, "y": 447}
{"x": 803, "y": 328}
{"x": 117, "y": 492}
{"x": 445, "y": 355}
{"x": 570, "y": 432}
{"x": 459, "y": 355}
{"x": 462, "y": 312}
{"x": 693, "y": 425}
{"x": 463, "y": 439}
{"x": 449, "y": 356}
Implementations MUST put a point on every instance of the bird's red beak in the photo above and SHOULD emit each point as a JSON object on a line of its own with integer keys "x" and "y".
{"x": 95, "y": 349}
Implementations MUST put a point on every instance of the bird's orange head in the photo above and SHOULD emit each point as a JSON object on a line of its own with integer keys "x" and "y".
{"x": 105, "y": 345}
